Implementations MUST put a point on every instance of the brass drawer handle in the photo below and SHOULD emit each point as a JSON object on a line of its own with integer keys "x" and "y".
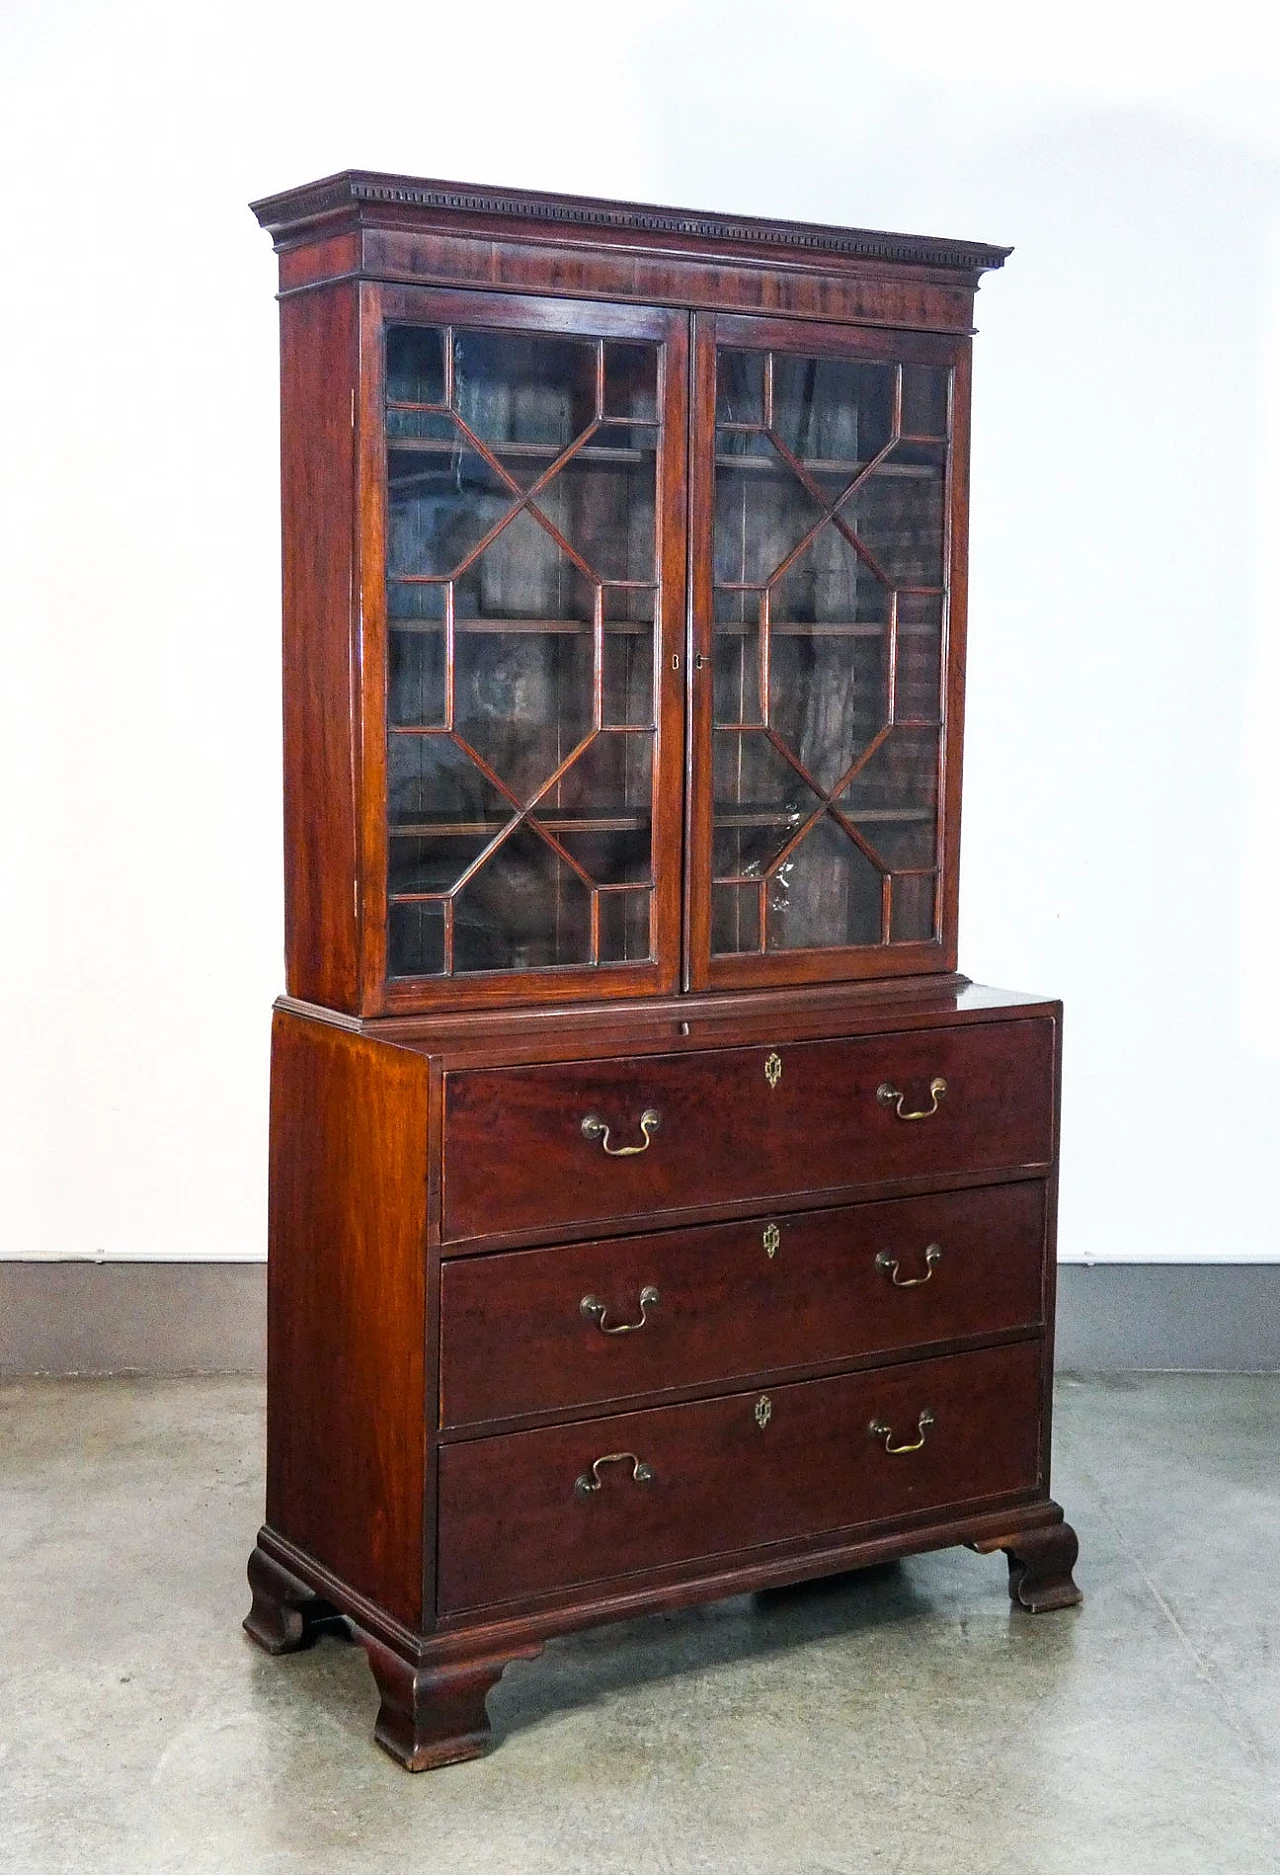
{"x": 593, "y": 1127}
{"x": 590, "y": 1480}
{"x": 888, "y": 1266}
{"x": 890, "y": 1097}
{"x": 879, "y": 1430}
{"x": 596, "y": 1311}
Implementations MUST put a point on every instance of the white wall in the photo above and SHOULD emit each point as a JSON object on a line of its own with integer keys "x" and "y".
{"x": 1122, "y": 803}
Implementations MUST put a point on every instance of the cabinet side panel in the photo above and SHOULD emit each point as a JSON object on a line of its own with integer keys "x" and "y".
{"x": 317, "y": 356}
{"x": 346, "y": 1307}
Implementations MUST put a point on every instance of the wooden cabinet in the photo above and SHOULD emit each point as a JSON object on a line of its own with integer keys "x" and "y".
{"x": 655, "y": 1214}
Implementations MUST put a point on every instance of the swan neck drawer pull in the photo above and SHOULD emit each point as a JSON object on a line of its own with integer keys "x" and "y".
{"x": 590, "y": 1481}
{"x": 593, "y": 1127}
{"x": 888, "y": 1266}
{"x": 879, "y": 1429}
{"x": 890, "y": 1096}
{"x": 595, "y": 1311}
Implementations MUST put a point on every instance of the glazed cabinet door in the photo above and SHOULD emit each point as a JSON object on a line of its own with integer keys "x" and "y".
{"x": 829, "y": 484}
{"x": 523, "y": 560}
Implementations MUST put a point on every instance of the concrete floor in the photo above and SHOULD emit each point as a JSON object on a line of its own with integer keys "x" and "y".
{"x": 899, "y": 1722}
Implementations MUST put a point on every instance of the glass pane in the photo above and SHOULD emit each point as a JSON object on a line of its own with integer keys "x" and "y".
{"x": 893, "y": 799}
{"x": 762, "y": 515}
{"x": 415, "y": 365}
{"x": 441, "y": 502}
{"x": 525, "y": 388}
{"x": 740, "y": 387}
{"x": 523, "y": 701}
{"x": 925, "y": 400}
{"x": 415, "y": 673}
{"x": 899, "y": 513}
{"x": 828, "y": 697}
{"x": 830, "y": 584}
{"x": 431, "y": 783}
{"x": 826, "y": 893}
{"x": 631, "y": 381}
{"x": 624, "y": 927}
{"x": 523, "y": 574}
{"x": 832, "y": 409}
{"x": 919, "y": 657}
{"x": 759, "y": 802}
{"x": 415, "y": 940}
{"x": 523, "y": 910}
{"x": 628, "y": 676}
{"x": 913, "y": 900}
{"x": 735, "y": 662}
{"x": 735, "y": 919}
{"x": 604, "y": 508}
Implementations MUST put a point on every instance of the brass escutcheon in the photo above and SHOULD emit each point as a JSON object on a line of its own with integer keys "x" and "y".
{"x": 596, "y": 1311}
{"x": 593, "y": 1127}
{"x": 888, "y": 1266}
{"x": 773, "y": 1068}
{"x": 771, "y": 1238}
{"x": 590, "y": 1481}
{"x": 880, "y": 1429}
{"x": 891, "y": 1097}
{"x": 764, "y": 1411}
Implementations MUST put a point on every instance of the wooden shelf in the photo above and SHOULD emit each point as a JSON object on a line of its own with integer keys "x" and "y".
{"x": 824, "y": 628}
{"x": 832, "y": 465}
{"x": 533, "y": 452}
{"x": 730, "y": 817}
{"x": 538, "y": 627}
{"x": 474, "y": 829}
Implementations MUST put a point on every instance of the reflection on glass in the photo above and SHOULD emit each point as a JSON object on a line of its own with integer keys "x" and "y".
{"x": 826, "y": 893}
{"x": 528, "y": 558}
{"x": 829, "y": 577}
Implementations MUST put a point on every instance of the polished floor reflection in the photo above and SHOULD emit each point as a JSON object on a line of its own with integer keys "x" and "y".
{"x": 904, "y": 1720}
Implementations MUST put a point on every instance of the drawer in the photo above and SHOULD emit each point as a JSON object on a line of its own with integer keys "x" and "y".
{"x": 530, "y": 1148}
{"x": 532, "y": 1513}
{"x": 539, "y": 1330}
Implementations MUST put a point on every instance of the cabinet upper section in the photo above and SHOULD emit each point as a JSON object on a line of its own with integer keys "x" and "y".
{"x": 623, "y": 638}
{"x": 404, "y": 228}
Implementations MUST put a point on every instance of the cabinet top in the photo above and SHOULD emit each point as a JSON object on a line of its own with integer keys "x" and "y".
{"x": 366, "y": 196}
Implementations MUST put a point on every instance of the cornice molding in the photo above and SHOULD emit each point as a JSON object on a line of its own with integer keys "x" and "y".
{"x": 291, "y": 210}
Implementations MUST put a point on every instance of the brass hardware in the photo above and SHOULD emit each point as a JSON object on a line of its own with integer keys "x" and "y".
{"x": 888, "y": 1266}
{"x": 764, "y": 1411}
{"x": 771, "y": 1239}
{"x": 890, "y": 1097}
{"x": 773, "y": 1069}
{"x": 591, "y": 1480}
{"x": 593, "y": 1127}
{"x": 596, "y": 1311}
{"x": 675, "y": 660}
{"x": 880, "y": 1430}
{"x": 701, "y": 663}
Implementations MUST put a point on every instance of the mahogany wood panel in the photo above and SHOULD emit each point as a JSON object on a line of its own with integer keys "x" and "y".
{"x": 515, "y": 1155}
{"x": 729, "y": 1473}
{"x": 346, "y": 1328}
{"x": 734, "y": 1300}
{"x": 318, "y": 340}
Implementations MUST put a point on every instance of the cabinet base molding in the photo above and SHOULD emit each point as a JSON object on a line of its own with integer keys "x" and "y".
{"x": 433, "y": 1686}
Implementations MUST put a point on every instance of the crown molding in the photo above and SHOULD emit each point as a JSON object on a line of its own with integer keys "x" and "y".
{"x": 286, "y": 215}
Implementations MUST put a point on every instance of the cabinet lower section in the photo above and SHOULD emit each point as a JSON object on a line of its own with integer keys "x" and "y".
{"x": 473, "y": 1446}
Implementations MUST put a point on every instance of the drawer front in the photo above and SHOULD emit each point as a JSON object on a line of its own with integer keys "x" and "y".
{"x": 538, "y": 1330}
{"x": 534, "y": 1513}
{"x": 741, "y": 1124}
